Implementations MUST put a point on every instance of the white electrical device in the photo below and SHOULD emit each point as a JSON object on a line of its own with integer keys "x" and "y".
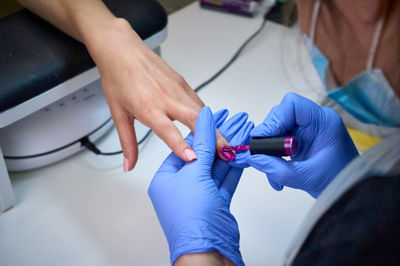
{"x": 53, "y": 132}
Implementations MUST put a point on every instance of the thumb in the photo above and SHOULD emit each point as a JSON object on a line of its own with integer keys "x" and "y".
{"x": 278, "y": 170}
{"x": 271, "y": 126}
{"x": 294, "y": 111}
{"x": 274, "y": 185}
{"x": 204, "y": 139}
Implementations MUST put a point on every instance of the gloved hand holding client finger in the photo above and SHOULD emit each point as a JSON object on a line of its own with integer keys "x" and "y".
{"x": 192, "y": 199}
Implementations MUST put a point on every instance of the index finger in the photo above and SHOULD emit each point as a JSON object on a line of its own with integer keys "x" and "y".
{"x": 188, "y": 115}
{"x": 169, "y": 133}
{"x": 173, "y": 163}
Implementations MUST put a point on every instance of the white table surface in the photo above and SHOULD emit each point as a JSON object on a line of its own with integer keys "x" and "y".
{"x": 86, "y": 211}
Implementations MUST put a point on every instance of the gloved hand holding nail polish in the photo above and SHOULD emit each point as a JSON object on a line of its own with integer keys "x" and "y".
{"x": 325, "y": 146}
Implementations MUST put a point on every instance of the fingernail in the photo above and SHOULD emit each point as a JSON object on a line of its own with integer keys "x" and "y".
{"x": 190, "y": 155}
{"x": 228, "y": 155}
{"x": 126, "y": 165}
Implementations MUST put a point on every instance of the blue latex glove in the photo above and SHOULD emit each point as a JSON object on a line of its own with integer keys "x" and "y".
{"x": 325, "y": 146}
{"x": 192, "y": 199}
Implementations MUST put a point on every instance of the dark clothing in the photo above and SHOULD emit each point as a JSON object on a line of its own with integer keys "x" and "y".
{"x": 361, "y": 228}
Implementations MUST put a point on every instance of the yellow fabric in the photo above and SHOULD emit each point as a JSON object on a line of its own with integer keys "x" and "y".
{"x": 362, "y": 140}
{"x": 7, "y": 7}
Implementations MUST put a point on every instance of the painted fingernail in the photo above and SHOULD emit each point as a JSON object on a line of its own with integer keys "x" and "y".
{"x": 190, "y": 155}
{"x": 126, "y": 165}
{"x": 229, "y": 155}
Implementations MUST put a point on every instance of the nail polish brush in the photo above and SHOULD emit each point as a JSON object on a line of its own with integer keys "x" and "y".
{"x": 274, "y": 146}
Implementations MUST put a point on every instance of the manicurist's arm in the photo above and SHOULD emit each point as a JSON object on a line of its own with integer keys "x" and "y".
{"x": 137, "y": 83}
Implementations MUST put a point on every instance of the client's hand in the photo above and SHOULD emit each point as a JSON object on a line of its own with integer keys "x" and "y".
{"x": 138, "y": 84}
{"x": 192, "y": 199}
{"x": 325, "y": 146}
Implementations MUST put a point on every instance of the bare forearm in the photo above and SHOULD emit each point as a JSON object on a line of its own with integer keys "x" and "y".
{"x": 203, "y": 259}
{"x": 88, "y": 21}
{"x": 78, "y": 18}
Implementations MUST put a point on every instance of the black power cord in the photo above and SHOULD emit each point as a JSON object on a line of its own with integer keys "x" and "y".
{"x": 57, "y": 149}
{"x": 233, "y": 59}
{"x": 85, "y": 142}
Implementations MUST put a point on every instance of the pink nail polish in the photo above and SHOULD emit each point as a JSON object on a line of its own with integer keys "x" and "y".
{"x": 126, "y": 165}
{"x": 229, "y": 152}
{"x": 190, "y": 155}
{"x": 228, "y": 155}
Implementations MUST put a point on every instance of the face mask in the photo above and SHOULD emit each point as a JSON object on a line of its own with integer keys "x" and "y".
{"x": 368, "y": 97}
